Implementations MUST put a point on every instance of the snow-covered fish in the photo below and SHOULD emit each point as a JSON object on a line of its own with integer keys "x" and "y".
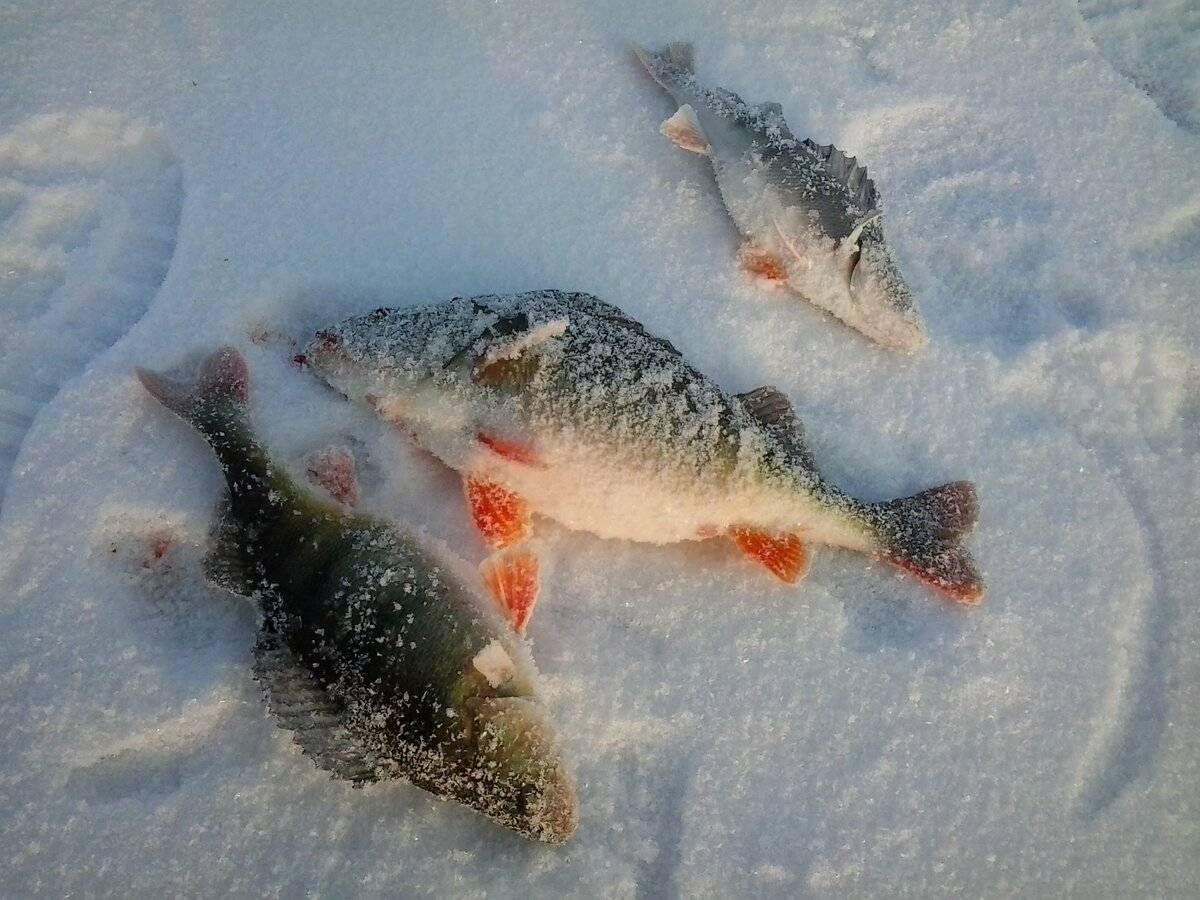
{"x": 560, "y": 404}
{"x": 810, "y": 215}
{"x": 379, "y": 657}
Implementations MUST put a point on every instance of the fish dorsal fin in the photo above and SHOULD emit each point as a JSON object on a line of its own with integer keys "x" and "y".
{"x": 302, "y": 706}
{"x": 228, "y": 565}
{"x": 774, "y": 411}
{"x": 768, "y": 405}
{"x": 846, "y": 170}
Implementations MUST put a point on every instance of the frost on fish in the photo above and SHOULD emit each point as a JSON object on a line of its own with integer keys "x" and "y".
{"x": 810, "y": 213}
{"x": 372, "y": 651}
{"x": 558, "y": 404}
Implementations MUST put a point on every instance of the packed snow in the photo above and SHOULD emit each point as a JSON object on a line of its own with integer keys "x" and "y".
{"x": 178, "y": 177}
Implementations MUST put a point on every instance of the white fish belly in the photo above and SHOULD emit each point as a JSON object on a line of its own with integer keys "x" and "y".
{"x": 615, "y": 502}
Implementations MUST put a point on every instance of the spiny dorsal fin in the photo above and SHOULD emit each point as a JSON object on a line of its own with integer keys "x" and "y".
{"x": 846, "y": 170}
{"x": 770, "y": 407}
{"x": 301, "y": 705}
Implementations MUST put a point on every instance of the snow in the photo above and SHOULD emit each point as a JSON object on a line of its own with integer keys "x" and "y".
{"x": 731, "y": 736}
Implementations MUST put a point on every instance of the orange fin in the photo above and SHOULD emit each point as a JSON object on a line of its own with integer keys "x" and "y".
{"x": 511, "y": 577}
{"x": 333, "y": 469}
{"x": 784, "y": 555}
{"x": 761, "y": 264}
{"x": 513, "y": 451}
{"x": 500, "y": 515}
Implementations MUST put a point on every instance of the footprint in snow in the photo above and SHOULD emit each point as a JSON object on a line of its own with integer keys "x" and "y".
{"x": 89, "y": 209}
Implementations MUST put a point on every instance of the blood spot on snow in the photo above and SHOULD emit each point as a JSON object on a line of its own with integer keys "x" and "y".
{"x": 162, "y": 544}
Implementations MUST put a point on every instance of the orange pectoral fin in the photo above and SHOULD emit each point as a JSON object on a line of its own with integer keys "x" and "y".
{"x": 500, "y": 515}
{"x": 511, "y": 577}
{"x": 784, "y": 555}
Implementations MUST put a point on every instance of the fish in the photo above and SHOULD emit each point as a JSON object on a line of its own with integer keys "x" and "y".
{"x": 559, "y": 404}
{"x": 810, "y": 215}
{"x": 384, "y": 662}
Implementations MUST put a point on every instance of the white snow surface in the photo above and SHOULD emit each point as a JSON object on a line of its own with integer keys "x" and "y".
{"x": 290, "y": 164}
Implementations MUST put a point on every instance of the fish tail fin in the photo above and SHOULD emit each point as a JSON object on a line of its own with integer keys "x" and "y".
{"x": 678, "y": 58}
{"x": 680, "y": 53}
{"x": 223, "y": 378}
{"x": 923, "y": 535}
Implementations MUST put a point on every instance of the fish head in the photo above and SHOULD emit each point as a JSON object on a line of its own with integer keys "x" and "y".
{"x": 407, "y": 364}
{"x": 413, "y": 343}
{"x": 881, "y": 303}
{"x": 440, "y": 369}
{"x": 523, "y": 780}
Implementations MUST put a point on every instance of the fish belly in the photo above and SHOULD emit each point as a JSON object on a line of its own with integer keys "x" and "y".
{"x": 622, "y": 503}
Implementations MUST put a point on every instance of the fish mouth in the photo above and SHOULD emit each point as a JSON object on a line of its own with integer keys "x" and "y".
{"x": 896, "y": 332}
{"x": 326, "y": 354}
{"x": 886, "y": 317}
{"x": 531, "y": 791}
{"x": 324, "y": 346}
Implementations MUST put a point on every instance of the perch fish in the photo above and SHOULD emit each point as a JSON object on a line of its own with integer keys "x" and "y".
{"x": 809, "y": 214}
{"x": 379, "y": 657}
{"x": 560, "y": 404}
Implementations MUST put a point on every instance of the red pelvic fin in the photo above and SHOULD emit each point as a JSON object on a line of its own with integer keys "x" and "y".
{"x": 514, "y": 451}
{"x": 333, "y": 469}
{"x": 784, "y": 555}
{"x": 511, "y": 577}
{"x": 501, "y": 516}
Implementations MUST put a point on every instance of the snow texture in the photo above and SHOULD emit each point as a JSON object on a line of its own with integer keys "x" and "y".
{"x": 850, "y": 736}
